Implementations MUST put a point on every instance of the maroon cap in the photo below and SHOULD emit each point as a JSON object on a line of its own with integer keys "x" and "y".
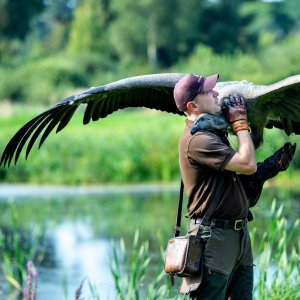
{"x": 190, "y": 85}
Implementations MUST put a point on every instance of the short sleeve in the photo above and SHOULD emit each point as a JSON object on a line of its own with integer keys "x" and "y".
{"x": 207, "y": 149}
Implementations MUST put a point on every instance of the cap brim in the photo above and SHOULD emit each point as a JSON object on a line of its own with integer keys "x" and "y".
{"x": 210, "y": 82}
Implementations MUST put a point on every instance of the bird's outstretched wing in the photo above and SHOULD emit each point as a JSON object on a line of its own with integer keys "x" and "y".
{"x": 283, "y": 101}
{"x": 151, "y": 91}
{"x": 274, "y": 105}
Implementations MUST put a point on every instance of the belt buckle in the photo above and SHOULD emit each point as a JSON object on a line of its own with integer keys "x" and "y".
{"x": 238, "y": 224}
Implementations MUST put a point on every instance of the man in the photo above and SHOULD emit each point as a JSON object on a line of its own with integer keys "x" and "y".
{"x": 209, "y": 168}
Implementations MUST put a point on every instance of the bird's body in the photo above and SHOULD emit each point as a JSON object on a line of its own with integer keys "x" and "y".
{"x": 275, "y": 105}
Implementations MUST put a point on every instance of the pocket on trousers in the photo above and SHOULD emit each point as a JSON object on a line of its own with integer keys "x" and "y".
{"x": 221, "y": 250}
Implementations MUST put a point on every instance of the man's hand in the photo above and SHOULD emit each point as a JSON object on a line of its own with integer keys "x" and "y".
{"x": 235, "y": 111}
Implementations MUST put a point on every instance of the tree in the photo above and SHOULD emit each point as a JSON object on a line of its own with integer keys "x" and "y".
{"x": 16, "y": 17}
{"x": 128, "y": 31}
{"x": 163, "y": 31}
{"x": 222, "y": 27}
{"x": 277, "y": 19}
{"x": 88, "y": 31}
{"x": 53, "y": 25}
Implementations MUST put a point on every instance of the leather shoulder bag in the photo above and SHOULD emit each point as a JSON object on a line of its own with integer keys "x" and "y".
{"x": 184, "y": 254}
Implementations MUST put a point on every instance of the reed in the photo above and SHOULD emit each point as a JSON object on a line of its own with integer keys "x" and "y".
{"x": 18, "y": 247}
{"x": 131, "y": 270}
{"x": 278, "y": 271}
{"x": 277, "y": 275}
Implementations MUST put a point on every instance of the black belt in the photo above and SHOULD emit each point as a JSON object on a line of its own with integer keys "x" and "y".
{"x": 236, "y": 224}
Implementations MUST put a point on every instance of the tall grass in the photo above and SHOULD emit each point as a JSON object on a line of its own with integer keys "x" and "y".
{"x": 131, "y": 146}
{"x": 129, "y": 268}
{"x": 277, "y": 276}
{"x": 18, "y": 248}
{"x": 125, "y": 148}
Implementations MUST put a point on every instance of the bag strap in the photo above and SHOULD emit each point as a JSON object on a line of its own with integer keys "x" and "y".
{"x": 207, "y": 215}
{"x": 179, "y": 211}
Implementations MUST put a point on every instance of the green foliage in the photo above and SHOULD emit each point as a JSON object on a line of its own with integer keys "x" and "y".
{"x": 119, "y": 149}
{"x": 146, "y": 31}
{"x": 73, "y": 44}
{"x": 153, "y": 32}
{"x": 87, "y": 34}
{"x": 46, "y": 80}
{"x": 278, "y": 263}
{"x": 129, "y": 269}
{"x": 263, "y": 67}
{"x": 17, "y": 248}
{"x": 16, "y": 17}
{"x": 124, "y": 148}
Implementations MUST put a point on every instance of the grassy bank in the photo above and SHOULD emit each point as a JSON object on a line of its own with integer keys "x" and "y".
{"x": 131, "y": 146}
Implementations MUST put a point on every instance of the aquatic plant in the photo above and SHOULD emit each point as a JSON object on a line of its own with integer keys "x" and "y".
{"x": 276, "y": 277}
{"x": 30, "y": 291}
{"x": 18, "y": 247}
{"x": 278, "y": 268}
{"x": 129, "y": 269}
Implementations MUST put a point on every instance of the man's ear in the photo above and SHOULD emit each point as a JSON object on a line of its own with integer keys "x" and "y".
{"x": 191, "y": 105}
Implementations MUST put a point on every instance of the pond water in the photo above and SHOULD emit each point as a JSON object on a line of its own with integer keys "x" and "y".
{"x": 81, "y": 223}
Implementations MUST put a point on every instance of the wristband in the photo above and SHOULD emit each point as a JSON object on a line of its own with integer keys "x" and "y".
{"x": 240, "y": 125}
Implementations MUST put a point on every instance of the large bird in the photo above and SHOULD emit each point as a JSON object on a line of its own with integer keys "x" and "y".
{"x": 276, "y": 105}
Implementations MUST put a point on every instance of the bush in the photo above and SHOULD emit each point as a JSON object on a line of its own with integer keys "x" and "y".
{"x": 48, "y": 79}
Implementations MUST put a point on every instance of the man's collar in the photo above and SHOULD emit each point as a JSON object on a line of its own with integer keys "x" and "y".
{"x": 209, "y": 122}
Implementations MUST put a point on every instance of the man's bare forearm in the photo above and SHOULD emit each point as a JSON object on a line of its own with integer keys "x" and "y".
{"x": 246, "y": 148}
{"x": 243, "y": 161}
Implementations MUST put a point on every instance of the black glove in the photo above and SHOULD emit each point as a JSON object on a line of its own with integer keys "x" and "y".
{"x": 267, "y": 169}
{"x": 276, "y": 163}
{"x": 285, "y": 155}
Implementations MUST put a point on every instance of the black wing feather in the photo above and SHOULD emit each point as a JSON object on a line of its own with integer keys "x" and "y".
{"x": 283, "y": 101}
{"x": 55, "y": 119}
{"x": 66, "y": 118}
{"x": 25, "y": 138}
{"x": 89, "y": 112}
{"x": 38, "y": 129}
{"x": 9, "y": 150}
{"x": 97, "y": 111}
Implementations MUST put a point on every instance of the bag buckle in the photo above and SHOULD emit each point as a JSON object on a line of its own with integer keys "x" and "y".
{"x": 239, "y": 224}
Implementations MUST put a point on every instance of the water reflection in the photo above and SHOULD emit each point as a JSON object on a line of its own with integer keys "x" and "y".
{"x": 77, "y": 255}
{"x": 81, "y": 222}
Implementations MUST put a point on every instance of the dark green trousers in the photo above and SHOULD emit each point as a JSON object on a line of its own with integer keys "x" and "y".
{"x": 218, "y": 286}
{"x": 228, "y": 264}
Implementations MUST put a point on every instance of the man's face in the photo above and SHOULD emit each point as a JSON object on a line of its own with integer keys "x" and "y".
{"x": 208, "y": 102}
